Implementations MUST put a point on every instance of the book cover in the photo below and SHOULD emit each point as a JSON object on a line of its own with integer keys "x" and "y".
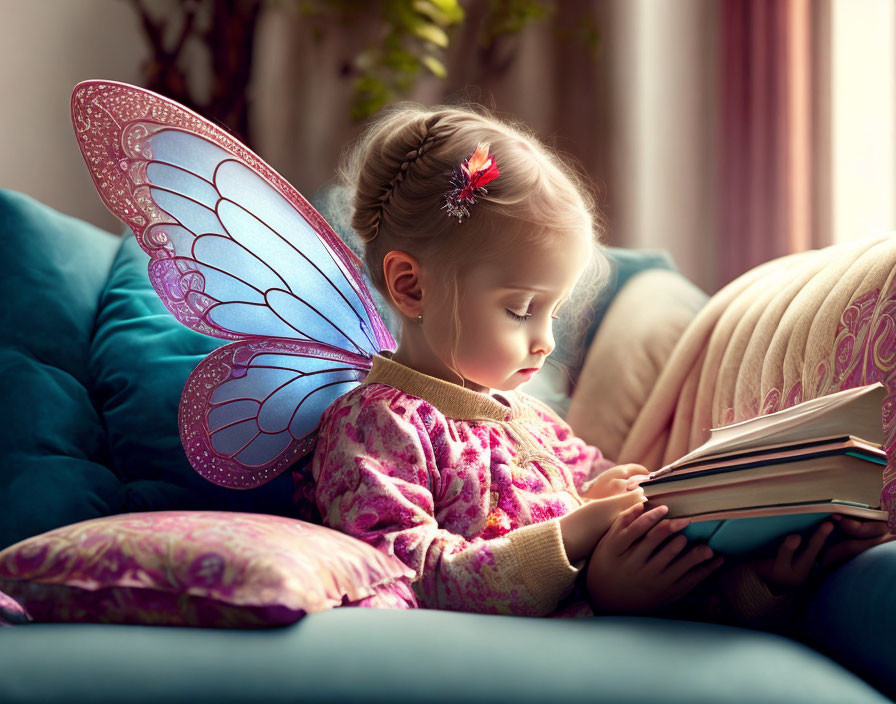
{"x": 743, "y": 531}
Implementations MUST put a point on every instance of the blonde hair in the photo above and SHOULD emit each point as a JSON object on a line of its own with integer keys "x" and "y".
{"x": 399, "y": 172}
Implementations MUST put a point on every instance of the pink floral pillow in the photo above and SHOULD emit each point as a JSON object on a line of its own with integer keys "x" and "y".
{"x": 198, "y": 568}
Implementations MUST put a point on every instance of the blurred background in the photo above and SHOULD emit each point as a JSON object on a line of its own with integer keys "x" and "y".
{"x": 726, "y": 132}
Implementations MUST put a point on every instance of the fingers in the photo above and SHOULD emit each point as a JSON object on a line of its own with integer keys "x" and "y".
{"x": 625, "y": 519}
{"x": 670, "y": 551}
{"x": 621, "y": 502}
{"x": 792, "y": 569}
{"x": 610, "y": 542}
{"x": 626, "y": 476}
{"x": 656, "y": 536}
{"x": 807, "y": 557}
{"x": 637, "y": 526}
{"x": 855, "y": 528}
{"x": 688, "y": 561}
{"x": 616, "y": 480}
{"x": 636, "y": 480}
{"x": 786, "y": 551}
{"x": 605, "y": 513}
{"x": 631, "y": 470}
{"x": 628, "y": 499}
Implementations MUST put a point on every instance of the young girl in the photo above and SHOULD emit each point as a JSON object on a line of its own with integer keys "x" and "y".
{"x": 482, "y": 490}
{"x": 476, "y": 235}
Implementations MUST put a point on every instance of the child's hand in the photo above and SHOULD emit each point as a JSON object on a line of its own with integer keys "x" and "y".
{"x": 859, "y": 536}
{"x": 789, "y": 569}
{"x": 582, "y": 528}
{"x": 616, "y": 480}
{"x": 634, "y": 570}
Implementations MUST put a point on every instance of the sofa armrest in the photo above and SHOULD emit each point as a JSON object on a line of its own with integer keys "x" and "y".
{"x": 792, "y": 329}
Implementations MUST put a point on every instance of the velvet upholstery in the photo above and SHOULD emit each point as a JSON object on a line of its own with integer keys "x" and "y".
{"x": 374, "y": 655}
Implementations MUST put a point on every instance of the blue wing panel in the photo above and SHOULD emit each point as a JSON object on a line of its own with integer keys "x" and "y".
{"x": 172, "y": 178}
{"x": 262, "y": 448}
{"x": 232, "y": 412}
{"x": 315, "y": 404}
{"x": 277, "y": 410}
{"x": 192, "y": 215}
{"x": 243, "y": 226}
{"x": 187, "y": 151}
{"x": 225, "y": 254}
{"x": 221, "y": 281}
{"x": 232, "y": 438}
{"x": 260, "y": 319}
{"x": 257, "y": 383}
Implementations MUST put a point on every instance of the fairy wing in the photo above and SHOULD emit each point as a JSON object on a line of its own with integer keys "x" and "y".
{"x": 237, "y": 253}
{"x": 250, "y": 408}
{"x": 235, "y": 250}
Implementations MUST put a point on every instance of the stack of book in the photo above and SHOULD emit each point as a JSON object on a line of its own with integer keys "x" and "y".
{"x": 758, "y": 480}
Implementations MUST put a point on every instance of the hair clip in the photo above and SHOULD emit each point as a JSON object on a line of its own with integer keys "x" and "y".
{"x": 469, "y": 181}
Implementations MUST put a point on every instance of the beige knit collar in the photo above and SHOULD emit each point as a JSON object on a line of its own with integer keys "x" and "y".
{"x": 452, "y": 400}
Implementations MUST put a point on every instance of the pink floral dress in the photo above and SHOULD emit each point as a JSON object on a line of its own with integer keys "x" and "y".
{"x": 465, "y": 488}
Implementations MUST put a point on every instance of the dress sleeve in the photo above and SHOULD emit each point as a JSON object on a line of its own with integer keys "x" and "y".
{"x": 585, "y": 462}
{"x": 374, "y": 473}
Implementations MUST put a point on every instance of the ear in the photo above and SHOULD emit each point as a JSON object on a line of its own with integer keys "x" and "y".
{"x": 402, "y": 274}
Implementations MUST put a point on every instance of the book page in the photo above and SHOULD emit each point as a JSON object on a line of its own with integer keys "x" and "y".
{"x": 855, "y": 412}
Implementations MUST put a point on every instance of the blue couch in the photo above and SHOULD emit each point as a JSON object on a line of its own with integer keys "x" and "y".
{"x": 92, "y": 368}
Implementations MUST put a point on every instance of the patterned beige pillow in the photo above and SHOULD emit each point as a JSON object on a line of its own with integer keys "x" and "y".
{"x": 635, "y": 339}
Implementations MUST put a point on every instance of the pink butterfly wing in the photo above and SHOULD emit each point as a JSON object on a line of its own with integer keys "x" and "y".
{"x": 239, "y": 254}
{"x": 250, "y": 408}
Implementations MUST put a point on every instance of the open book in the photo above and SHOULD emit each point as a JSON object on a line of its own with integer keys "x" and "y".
{"x": 756, "y": 481}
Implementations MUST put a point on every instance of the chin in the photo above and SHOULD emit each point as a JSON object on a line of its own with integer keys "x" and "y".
{"x": 507, "y": 385}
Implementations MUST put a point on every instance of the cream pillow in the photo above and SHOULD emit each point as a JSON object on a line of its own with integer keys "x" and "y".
{"x": 644, "y": 322}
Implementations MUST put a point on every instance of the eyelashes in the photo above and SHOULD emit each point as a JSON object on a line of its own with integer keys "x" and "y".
{"x": 518, "y": 318}
{"x": 521, "y": 318}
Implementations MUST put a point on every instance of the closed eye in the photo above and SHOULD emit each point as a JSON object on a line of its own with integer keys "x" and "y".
{"x": 517, "y": 317}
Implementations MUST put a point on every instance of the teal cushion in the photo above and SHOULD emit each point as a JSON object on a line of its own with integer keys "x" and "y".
{"x": 853, "y": 616}
{"x": 382, "y": 655}
{"x": 624, "y": 264}
{"x": 52, "y": 443}
{"x": 140, "y": 359}
{"x": 88, "y": 425}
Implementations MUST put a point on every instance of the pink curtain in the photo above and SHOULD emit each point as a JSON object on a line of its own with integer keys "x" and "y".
{"x": 774, "y": 131}
{"x": 724, "y": 164}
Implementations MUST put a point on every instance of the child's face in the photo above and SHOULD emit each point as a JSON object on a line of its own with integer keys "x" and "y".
{"x": 506, "y": 311}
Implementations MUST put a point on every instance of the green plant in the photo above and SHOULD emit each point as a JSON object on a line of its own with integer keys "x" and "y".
{"x": 401, "y": 41}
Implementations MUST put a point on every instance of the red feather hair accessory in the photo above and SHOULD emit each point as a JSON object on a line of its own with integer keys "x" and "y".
{"x": 469, "y": 181}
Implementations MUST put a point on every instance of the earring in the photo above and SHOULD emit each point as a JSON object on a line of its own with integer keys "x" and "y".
{"x": 419, "y": 319}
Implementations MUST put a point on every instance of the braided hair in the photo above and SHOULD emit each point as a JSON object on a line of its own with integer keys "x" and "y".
{"x": 400, "y": 170}
{"x": 427, "y": 139}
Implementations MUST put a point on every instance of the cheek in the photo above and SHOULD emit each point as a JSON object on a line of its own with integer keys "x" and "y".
{"x": 495, "y": 344}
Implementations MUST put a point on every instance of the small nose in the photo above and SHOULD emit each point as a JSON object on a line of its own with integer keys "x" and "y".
{"x": 543, "y": 342}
